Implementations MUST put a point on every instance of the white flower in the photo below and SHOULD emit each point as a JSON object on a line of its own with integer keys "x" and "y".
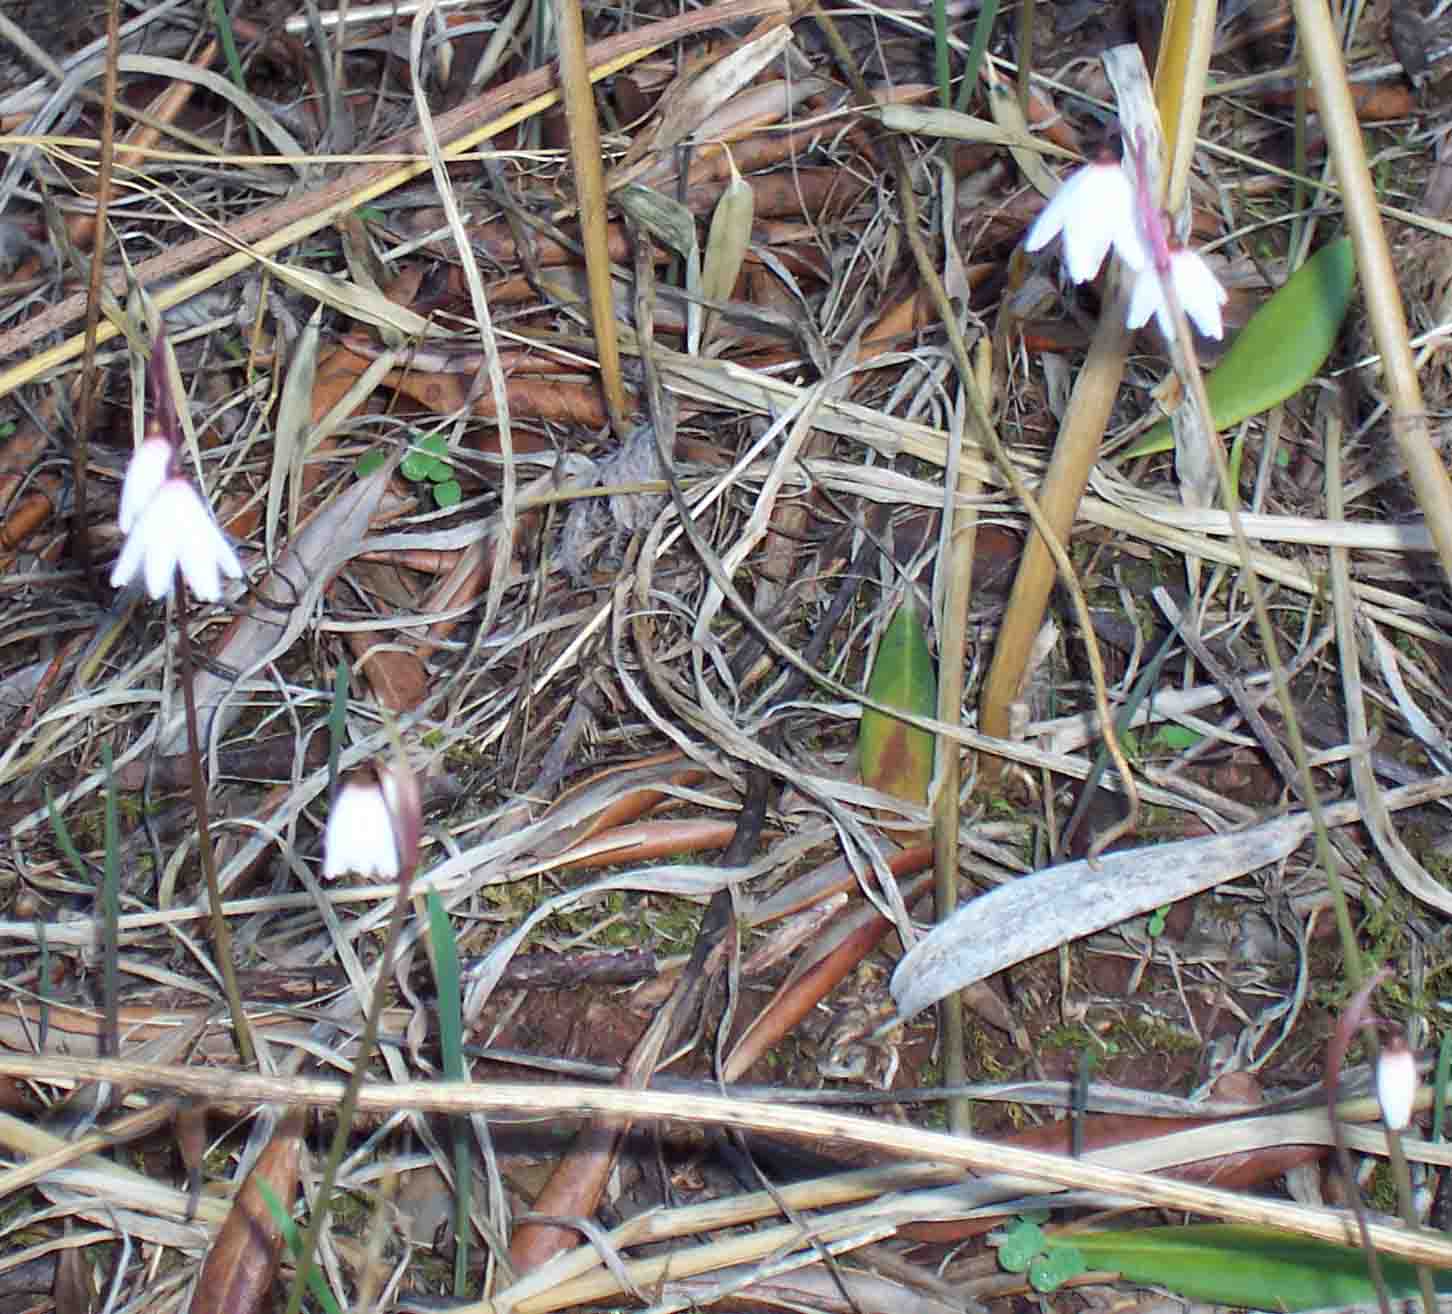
{"x": 1396, "y": 1083}
{"x": 1198, "y": 290}
{"x": 1094, "y": 208}
{"x": 360, "y": 836}
{"x": 144, "y": 477}
{"x": 175, "y": 528}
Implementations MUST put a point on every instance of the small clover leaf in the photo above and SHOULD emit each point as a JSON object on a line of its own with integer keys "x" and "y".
{"x": 448, "y": 494}
{"x": 1056, "y": 1266}
{"x": 369, "y": 462}
{"x": 1020, "y": 1244}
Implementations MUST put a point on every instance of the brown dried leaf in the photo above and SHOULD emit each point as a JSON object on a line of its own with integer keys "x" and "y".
{"x": 240, "y": 1268}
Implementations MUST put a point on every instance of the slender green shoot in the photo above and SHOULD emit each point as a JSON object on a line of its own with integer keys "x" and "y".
{"x": 1439, "y": 1098}
{"x": 225, "y": 35}
{"x": 982, "y": 30}
{"x": 447, "y": 980}
{"x": 940, "y": 53}
{"x": 293, "y": 1239}
{"x": 337, "y": 723}
{"x": 111, "y": 917}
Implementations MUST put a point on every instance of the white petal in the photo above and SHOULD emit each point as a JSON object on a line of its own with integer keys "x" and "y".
{"x": 1396, "y": 1083}
{"x": 1094, "y": 210}
{"x": 203, "y": 551}
{"x": 1199, "y": 291}
{"x": 144, "y": 478}
{"x": 1148, "y": 299}
{"x": 176, "y": 529}
{"x": 359, "y": 837}
{"x": 128, "y": 563}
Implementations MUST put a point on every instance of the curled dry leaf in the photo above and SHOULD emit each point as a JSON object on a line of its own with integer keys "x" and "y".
{"x": 239, "y": 1270}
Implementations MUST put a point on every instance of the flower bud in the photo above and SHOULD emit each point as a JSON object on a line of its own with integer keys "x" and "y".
{"x": 360, "y": 836}
{"x": 1396, "y": 1082}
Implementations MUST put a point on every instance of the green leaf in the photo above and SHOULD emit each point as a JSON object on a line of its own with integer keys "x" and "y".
{"x": 369, "y": 462}
{"x": 337, "y": 722}
{"x": 446, "y": 976}
{"x": 293, "y": 1239}
{"x": 447, "y": 979}
{"x": 1250, "y": 1267}
{"x": 896, "y": 758}
{"x": 1282, "y": 347}
{"x": 1020, "y": 1245}
{"x": 416, "y": 466}
{"x": 1177, "y": 737}
{"x": 1054, "y": 1267}
{"x": 448, "y": 494}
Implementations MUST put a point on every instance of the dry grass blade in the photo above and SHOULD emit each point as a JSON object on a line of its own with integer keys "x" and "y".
{"x": 908, "y": 1142}
{"x": 579, "y": 99}
{"x": 274, "y": 229}
{"x": 610, "y": 658}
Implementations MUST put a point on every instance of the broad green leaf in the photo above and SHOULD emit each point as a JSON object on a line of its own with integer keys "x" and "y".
{"x": 1254, "y": 1268}
{"x": 897, "y": 758}
{"x": 1282, "y": 347}
{"x": 449, "y": 493}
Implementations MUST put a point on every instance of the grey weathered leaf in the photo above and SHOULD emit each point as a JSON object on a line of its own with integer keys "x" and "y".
{"x": 1036, "y": 913}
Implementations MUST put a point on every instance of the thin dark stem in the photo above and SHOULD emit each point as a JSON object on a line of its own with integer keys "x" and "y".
{"x": 90, "y": 375}
{"x": 349, "y": 1103}
{"x": 221, "y": 935}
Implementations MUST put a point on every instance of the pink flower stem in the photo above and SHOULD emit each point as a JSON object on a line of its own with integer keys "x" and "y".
{"x": 221, "y": 935}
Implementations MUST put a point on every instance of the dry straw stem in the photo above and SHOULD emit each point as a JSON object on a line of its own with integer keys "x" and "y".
{"x": 536, "y": 1100}
{"x": 1060, "y": 498}
{"x": 272, "y": 229}
{"x": 584, "y": 129}
{"x": 1378, "y": 274}
{"x": 960, "y": 533}
{"x": 1181, "y": 73}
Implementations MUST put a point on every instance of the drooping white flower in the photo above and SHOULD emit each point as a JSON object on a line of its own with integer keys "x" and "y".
{"x": 360, "y": 836}
{"x": 175, "y": 528}
{"x": 149, "y": 468}
{"x": 1094, "y": 209}
{"x": 1396, "y": 1082}
{"x": 1197, "y": 288}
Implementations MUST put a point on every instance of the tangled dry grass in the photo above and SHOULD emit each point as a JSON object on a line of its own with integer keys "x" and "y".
{"x": 581, "y": 447}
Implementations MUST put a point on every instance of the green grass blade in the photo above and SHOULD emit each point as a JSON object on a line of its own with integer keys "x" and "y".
{"x": 448, "y": 981}
{"x": 982, "y": 30}
{"x": 293, "y": 1238}
{"x": 1439, "y": 1099}
{"x": 337, "y": 723}
{"x": 940, "y": 52}
{"x": 111, "y": 915}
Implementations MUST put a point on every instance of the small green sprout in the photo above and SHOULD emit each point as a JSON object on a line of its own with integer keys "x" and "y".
{"x": 1025, "y": 1248}
{"x": 426, "y": 463}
